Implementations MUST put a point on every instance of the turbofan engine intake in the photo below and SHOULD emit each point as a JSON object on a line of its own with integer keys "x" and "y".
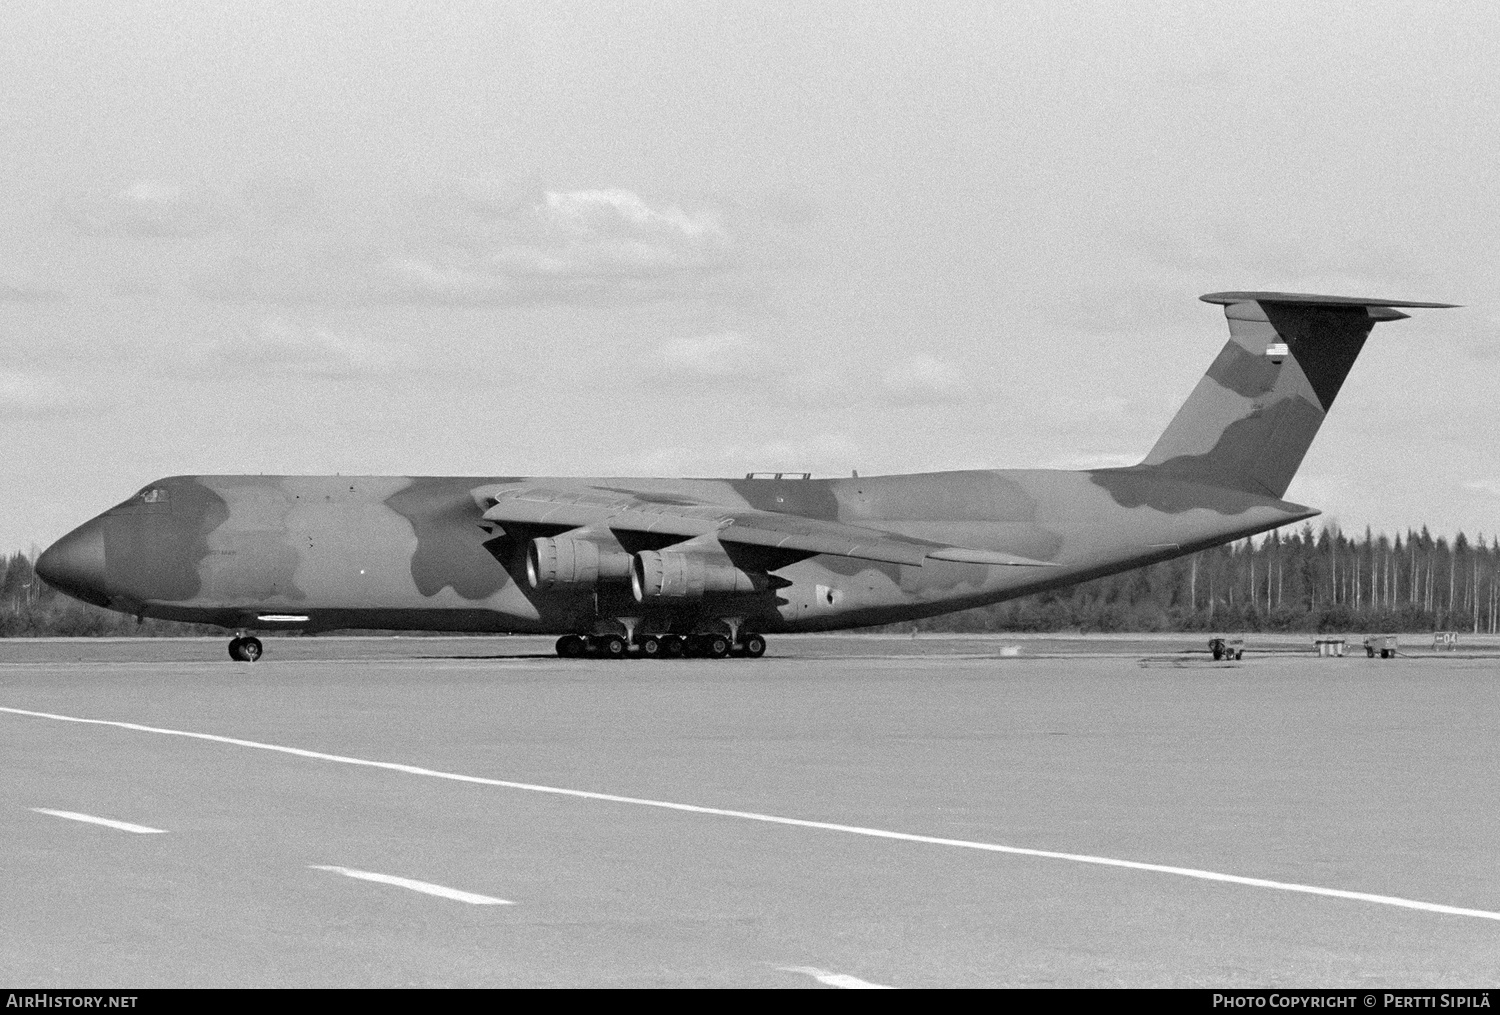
{"x": 552, "y": 561}
{"x": 657, "y": 576}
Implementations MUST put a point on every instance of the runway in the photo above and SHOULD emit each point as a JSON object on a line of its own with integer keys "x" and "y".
{"x": 847, "y": 811}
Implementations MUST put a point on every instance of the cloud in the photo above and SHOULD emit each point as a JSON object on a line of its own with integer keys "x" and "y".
{"x": 927, "y": 378}
{"x": 28, "y": 394}
{"x": 280, "y": 198}
{"x": 725, "y": 355}
{"x": 147, "y": 208}
{"x": 1488, "y": 349}
{"x": 284, "y": 345}
{"x": 493, "y": 246}
{"x": 1490, "y": 487}
{"x": 600, "y": 212}
{"x": 16, "y": 291}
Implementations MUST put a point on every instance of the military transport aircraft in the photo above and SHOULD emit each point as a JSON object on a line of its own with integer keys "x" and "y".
{"x": 666, "y": 567}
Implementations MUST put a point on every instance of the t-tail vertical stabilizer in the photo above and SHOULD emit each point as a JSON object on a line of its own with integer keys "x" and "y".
{"x": 1250, "y": 420}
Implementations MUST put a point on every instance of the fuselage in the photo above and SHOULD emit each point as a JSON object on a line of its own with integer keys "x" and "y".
{"x": 416, "y": 553}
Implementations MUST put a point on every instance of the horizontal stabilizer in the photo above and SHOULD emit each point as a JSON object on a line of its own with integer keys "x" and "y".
{"x": 1377, "y": 310}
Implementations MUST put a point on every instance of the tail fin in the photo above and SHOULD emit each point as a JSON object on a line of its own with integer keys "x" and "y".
{"x": 1253, "y": 416}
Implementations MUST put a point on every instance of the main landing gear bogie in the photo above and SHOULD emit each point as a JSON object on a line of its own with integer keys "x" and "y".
{"x": 575, "y": 646}
{"x": 661, "y": 646}
{"x": 245, "y": 649}
{"x": 714, "y": 646}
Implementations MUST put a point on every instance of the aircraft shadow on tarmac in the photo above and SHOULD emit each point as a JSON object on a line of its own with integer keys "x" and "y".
{"x": 520, "y": 655}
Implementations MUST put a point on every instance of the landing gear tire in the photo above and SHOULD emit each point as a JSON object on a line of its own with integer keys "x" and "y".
{"x": 570, "y": 646}
{"x": 612, "y": 646}
{"x": 754, "y": 645}
{"x": 674, "y": 647}
{"x": 716, "y": 646}
{"x": 651, "y": 647}
{"x": 245, "y": 650}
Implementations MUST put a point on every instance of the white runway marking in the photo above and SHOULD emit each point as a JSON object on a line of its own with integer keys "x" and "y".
{"x": 426, "y": 887}
{"x": 123, "y": 826}
{"x": 828, "y": 826}
{"x": 835, "y": 979}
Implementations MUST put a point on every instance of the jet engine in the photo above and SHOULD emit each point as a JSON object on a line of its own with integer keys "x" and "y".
{"x": 665, "y": 576}
{"x": 553, "y": 561}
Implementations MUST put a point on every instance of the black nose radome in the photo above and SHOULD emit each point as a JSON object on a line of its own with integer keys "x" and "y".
{"x": 75, "y": 564}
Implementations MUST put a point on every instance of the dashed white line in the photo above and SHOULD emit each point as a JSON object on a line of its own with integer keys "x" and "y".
{"x": 835, "y": 979}
{"x": 828, "y": 826}
{"x": 123, "y": 826}
{"x": 425, "y": 887}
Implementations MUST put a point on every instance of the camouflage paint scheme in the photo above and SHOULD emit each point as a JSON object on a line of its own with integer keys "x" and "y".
{"x": 418, "y": 553}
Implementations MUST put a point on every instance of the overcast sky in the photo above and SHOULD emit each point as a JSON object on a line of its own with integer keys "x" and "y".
{"x": 704, "y": 239}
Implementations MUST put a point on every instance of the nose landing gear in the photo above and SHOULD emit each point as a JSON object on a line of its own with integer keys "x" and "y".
{"x": 245, "y": 649}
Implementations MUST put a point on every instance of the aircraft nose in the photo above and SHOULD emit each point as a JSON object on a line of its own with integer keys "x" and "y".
{"x": 75, "y": 564}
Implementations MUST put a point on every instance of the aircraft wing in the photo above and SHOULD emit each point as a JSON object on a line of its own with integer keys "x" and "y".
{"x": 793, "y": 532}
{"x": 995, "y": 558}
{"x": 729, "y": 525}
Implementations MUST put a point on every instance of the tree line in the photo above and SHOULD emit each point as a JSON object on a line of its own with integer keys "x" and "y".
{"x": 1299, "y": 580}
{"x": 1296, "y": 580}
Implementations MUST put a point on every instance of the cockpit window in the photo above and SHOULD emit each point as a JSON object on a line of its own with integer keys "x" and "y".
{"x": 155, "y": 495}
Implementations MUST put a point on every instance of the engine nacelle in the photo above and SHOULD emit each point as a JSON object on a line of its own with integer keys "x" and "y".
{"x": 551, "y": 562}
{"x": 676, "y": 577}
